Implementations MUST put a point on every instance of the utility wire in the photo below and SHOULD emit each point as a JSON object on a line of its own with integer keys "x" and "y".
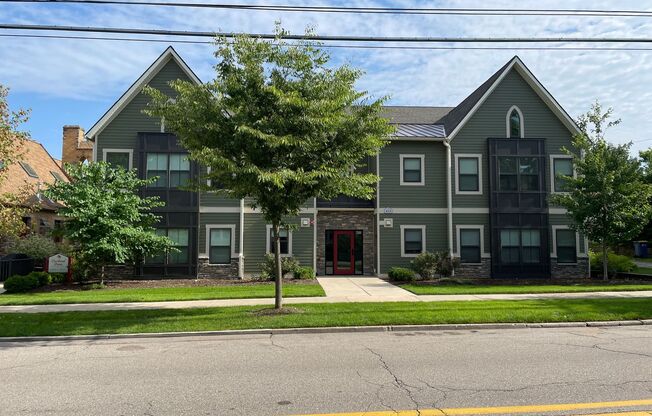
{"x": 343, "y": 46}
{"x": 335, "y": 38}
{"x": 360, "y": 10}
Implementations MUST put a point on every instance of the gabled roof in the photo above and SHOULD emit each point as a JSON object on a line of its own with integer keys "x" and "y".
{"x": 414, "y": 115}
{"x": 43, "y": 165}
{"x": 457, "y": 117}
{"x": 136, "y": 87}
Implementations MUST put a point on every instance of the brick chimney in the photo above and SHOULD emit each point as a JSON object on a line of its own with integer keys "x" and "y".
{"x": 76, "y": 149}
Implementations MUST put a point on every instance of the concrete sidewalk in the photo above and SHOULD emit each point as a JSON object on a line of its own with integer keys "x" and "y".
{"x": 338, "y": 290}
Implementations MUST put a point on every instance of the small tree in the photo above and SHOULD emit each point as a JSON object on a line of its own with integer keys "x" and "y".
{"x": 12, "y": 140}
{"x": 608, "y": 201}
{"x": 107, "y": 222}
{"x": 277, "y": 126}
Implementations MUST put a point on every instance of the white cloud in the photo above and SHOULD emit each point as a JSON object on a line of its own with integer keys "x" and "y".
{"x": 95, "y": 70}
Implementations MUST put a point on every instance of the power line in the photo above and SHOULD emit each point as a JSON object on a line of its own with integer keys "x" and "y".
{"x": 343, "y": 46}
{"x": 324, "y": 38}
{"x": 361, "y": 10}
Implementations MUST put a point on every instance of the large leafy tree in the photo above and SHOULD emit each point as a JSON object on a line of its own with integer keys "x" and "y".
{"x": 12, "y": 139}
{"x": 277, "y": 126}
{"x": 107, "y": 222}
{"x": 608, "y": 200}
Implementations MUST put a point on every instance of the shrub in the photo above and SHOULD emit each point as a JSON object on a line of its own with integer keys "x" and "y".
{"x": 425, "y": 264}
{"x": 21, "y": 284}
{"x": 304, "y": 272}
{"x": 401, "y": 274}
{"x": 58, "y": 277}
{"x": 43, "y": 278}
{"x": 34, "y": 245}
{"x": 446, "y": 264}
{"x": 616, "y": 263}
{"x": 268, "y": 266}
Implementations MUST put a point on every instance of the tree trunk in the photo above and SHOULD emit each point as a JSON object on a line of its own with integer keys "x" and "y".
{"x": 102, "y": 276}
{"x": 279, "y": 276}
{"x": 605, "y": 259}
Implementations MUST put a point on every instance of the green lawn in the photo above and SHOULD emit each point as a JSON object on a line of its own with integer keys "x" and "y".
{"x": 644, "y": 260}
{"x": 260, "y": 290}
{"x": 470, "y": 289}
{"x": 643, "y": 270}
{"x": 320, "y": 315}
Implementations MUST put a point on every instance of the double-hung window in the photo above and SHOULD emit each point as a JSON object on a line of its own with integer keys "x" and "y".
{"x": 470, "y": 245}
{"x": 117, "y": 157}
{"x": 562, "y": 167}
{"x": 566, "y": 246}
{"x": 412, "y": 172}
{"x": 220, "y": 246}
{"x": 179, "y": 170}
{"x": 180, "y": 238}
{"x": 412, "y": 238}
{"x": 531, "y": 241}
{"x": 157, "y": 167}
{"x": 510, "y": 242}
{"x": 468, "y": 174}
{"x": 284, "y": 236}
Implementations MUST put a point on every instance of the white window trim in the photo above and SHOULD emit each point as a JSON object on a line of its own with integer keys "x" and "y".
{"x": 457, "y": 173}
{"x": 423, "y": 170}
{"x": 458, "y": 232}
{"x": 554, "y": 244}
{"x": 520, "y": 113}
{"x": 130, "y": 151}
{"x": 552, "y": 172}
{"x": 268, "y": 228}
{"x": 423, "y": 239}
{"x": 209, "y": 227}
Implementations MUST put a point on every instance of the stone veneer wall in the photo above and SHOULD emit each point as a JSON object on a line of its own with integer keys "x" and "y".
{"x": 348, "y": 220}
{"x": 119, "y": 271}
{"x": 217, "y": 271}
{"x": 579, "y": 270}
{"x": 474, "y": 271}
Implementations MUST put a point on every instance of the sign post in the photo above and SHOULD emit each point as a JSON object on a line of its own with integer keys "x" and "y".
{"x": 59, "y": 264}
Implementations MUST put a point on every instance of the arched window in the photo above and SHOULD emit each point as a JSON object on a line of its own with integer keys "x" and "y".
{"x": 515, "y": 123}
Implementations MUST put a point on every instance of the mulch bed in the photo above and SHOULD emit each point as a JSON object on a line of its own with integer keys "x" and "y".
{"x": 143, "y": 284}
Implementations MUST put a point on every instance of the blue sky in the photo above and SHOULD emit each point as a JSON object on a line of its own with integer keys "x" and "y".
{"x": 75, "y": 81}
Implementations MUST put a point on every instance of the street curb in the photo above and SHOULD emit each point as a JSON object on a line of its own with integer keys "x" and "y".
{"x": 332, "y": 330}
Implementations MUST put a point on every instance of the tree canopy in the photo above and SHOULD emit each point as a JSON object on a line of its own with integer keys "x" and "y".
{"x": 277, "y": 125}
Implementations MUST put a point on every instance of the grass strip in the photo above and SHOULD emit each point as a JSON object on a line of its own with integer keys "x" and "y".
{"x": 320, "y": 315}
{"x": 262, "y": 290}
{"x": 469, "y": 289}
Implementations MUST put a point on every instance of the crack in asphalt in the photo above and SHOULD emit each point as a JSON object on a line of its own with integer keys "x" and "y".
{"x": 397, "y": 381}
{"x": 274, "y": 344}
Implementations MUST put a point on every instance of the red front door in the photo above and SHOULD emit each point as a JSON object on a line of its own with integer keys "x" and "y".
{"x": 343, "y": 250}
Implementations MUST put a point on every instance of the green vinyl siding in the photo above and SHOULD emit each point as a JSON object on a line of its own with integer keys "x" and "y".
{"x": 430, "y": 195}
{"x": 218, "y": 219}
{"x": 255, "y": 241}
{"x": 122, "y": 131}
{"x": 490, "y": 121}
{"x": 390, "y": 238}
{"x": 472, "y": 219}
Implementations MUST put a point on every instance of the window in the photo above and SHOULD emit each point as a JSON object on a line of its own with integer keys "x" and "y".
{"x": 157, "y": 167}
{"x": 561, "y": 166}
{"x": 470, "y": 245}
{"x": 509, "y": 246}
{"x": 566, "y": 246}
{"x": 179, "y": 170}
{"x": 117, "y": 157}
{"x": 56, "y": 176}
{"x": 180, "y": 238}
{"x": 508, "y": 173}
{"x": 220, "y": 246}
{"x": 286, "y": 241}
{"x": 528, "y": 168}
{"x": 412, "y": 170}
{"x": 468, "y": 174}
{"x": 28, "y": 169}
{"x": 515, "y": 123}
{"x": 531, "y": 240}
{"x": 412, "y": 240}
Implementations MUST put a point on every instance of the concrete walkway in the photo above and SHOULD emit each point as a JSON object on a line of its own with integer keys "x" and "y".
{"x": 338, "y": 290}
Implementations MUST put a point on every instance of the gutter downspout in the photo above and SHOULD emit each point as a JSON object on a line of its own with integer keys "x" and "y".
{"x": 378, "y": 214}
{"x": 241, "y": 245}
{"x": 449, "y": 197}
{"x": 314, "y": 236}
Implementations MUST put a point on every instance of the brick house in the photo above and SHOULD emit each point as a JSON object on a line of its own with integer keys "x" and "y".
{"x": 472, "y": 180}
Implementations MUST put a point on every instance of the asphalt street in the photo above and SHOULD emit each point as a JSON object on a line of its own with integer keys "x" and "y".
{"x": 328, "y": 373}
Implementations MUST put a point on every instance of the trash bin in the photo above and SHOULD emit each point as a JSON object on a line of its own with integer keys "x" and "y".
{"x": 640, "y": 249}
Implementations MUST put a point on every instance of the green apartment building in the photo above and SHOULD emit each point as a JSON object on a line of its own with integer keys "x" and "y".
{"x": 473, "y": 180}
